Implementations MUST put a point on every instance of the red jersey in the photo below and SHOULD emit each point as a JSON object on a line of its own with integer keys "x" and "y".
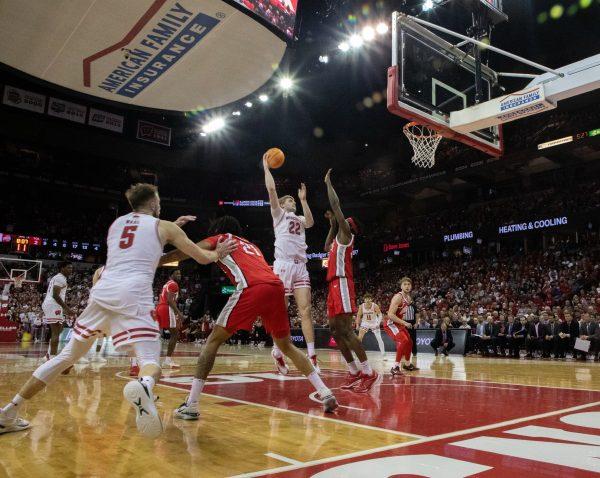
{"x": 340, "y": 261}
{"x": 170, "y": 286}
{"x": 245, "y": 266}
{"x": 405, "y": 301}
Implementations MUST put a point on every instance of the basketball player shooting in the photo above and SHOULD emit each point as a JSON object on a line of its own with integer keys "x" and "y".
{"x": 290, "y": 259}
{"x": 341, "y": 298}
{"x": 120, "y": 304}
{"x": 259, "y": 292}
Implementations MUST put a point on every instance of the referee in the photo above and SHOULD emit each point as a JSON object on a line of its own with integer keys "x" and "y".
{"x": 410, "y": 318}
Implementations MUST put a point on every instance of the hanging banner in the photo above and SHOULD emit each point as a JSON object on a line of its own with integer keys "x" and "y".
{"x": 26, "y": 100}
{"x": 67, "y": 110}
{"x": 154, "y": 133}
{"x": 106, "y": 120}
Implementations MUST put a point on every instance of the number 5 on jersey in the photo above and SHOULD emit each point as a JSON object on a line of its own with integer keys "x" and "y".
{"x": 127, "y": 237}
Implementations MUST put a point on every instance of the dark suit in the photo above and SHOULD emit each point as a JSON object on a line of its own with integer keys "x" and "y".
{"x": 439, "y": 340}
{"x": 587, "y": 329}
{"x": 514, "y": 338}
{"x": 551, "y": 345}
{"x": 595, "y": 339}
{"x": 479, "y": 343}
{"x": 536, "y": 336}
{"x": 566, "y": 344}
{"x": 499, "y": 337}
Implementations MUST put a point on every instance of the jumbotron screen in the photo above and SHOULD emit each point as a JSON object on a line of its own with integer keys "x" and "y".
{"x": 279, "y": 13}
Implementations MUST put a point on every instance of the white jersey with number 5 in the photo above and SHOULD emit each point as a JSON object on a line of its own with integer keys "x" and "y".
{"x": 134, "y": 249}
{"x": 59, "y": 280}
{"x": 290, "y": 236}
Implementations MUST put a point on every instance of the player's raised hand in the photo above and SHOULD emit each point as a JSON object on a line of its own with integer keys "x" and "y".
{"x": 265, "y": 161}
{"x": 225, "y": 247}
{"x": 330, "y": 216}
{"x": 302, "y": 192}
{"x": 328, "y": 176}
{"x": 183, "y": 220}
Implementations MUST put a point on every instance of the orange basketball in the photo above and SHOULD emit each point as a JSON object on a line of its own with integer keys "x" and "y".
{"x": 275, "y": 158}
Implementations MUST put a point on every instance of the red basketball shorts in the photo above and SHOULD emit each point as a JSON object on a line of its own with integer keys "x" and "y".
{"x": 266, "y": 301}
{"x": 341, "y": 298}
{"x": 165, "y": 317}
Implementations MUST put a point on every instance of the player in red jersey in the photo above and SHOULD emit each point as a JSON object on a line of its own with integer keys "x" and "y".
{"x": 397, "y": 326}
{"x": 169, "y": 316}
{"x": 341, "y": 298}
{"x": 259, "y": 292}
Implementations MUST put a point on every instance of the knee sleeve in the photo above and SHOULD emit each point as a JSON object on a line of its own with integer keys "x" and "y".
{"x": 147, "y": 352}
{"x": 73, "y": 351}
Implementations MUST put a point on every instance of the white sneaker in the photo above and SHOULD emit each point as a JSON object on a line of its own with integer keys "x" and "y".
{"x": 187, "y": 412}
{"x": 330, "y": 403}
{"x": 280, "y": 363}
{"x": 170, "y": 364}
{"x": 8, "y": 425}
{"x": 83, "y": 360}
{"x": 146, "y": 416}
{"x": 99, "y": 359}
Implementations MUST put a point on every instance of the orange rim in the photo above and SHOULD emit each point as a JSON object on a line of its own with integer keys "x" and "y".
{"x": 414, "y": 123}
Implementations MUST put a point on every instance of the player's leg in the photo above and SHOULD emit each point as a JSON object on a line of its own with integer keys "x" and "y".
{"x": 285, "y": 274}
{"x": 412, "y": 332}
{"x": 380, "y": 344}
{"x": 44, "y": 375}
{"x": 278, "y": 356}
{"x": 361, "y": 333}
{"x": 55, "y": 331}
{"x": 140, "y": 393}
{"x": 189, "y": 409}
{"x": 173, "y": 336}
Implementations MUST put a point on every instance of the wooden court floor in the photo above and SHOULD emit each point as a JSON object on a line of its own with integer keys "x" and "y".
{"x": 257, "y": 423}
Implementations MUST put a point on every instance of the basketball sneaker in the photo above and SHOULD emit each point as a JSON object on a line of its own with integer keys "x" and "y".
{"x": 313, "y": 359}
{"x": 366, "y": 382}
{"x": 351, "y": 380}
{"x": 280, "y": 363}
{"x": 330, "y": 404}
{"x": 168, "y": 363}
{"x": 187, "y": 412}
{"x": 146, "y": 415}
{"x": 396, "y": 371}
{"x": 134, "y": 370}
{"x": 99, "y": 359}
{"x": 83, "y": 360}
{"x": 12, "y": 424}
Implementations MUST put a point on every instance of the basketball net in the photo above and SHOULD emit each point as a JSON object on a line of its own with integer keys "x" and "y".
{"x": 424, "y": 142}
{"x": 18, "y": 281}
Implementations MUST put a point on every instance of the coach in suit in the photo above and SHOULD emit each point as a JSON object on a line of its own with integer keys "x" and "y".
{"x": 551, "y": 340}
{"x": 443, "y": 339}
{"x": 482, "y": 338}
{"x": 587, "y": 329}
{"x": 499, "y": 336}
{"x": 535, "y": 336}
{"x": 595, "y": 339}
{"x": 569, "y": 331}
{"x": 514, "y": 336}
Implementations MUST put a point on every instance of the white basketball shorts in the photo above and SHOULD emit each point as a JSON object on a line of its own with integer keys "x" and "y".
{"x": 293, "y": 275}
{"x": 96, "y": 321}
{"x": 53, "y": 313}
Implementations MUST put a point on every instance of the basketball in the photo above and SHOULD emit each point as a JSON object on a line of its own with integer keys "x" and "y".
{"x": 275, "y": 158}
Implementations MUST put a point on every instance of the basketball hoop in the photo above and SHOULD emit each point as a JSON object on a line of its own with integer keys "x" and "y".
{"x": 18, "y": 281}
{"x": 424, "y": 141}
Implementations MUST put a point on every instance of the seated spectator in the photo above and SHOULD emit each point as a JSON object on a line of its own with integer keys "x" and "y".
{"x": 514, "y": 337}
{"x": 443, "y": 340}
{"x": 569, "y": 331}
{"x": 551, "y": 340}
{"x": 587, "y": 328}
{"x": 536, "y": 334}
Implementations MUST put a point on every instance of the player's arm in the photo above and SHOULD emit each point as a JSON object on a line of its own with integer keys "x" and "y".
{"x": 378, "y": 314}
{"x": 97, "y": 274}
{"x": 174, "y": 235}
{"x": 183, "y": 220}
{"x": 276, "y": 210}
{"x": 309, "y": 221}
{"x": 393, "y": 309}
{"x": 173, "y": 304}
{"x": 56, "y": 296}
{"x": 344, "y": 234}
{"x": 332, "y": 230}
{"x": 359, "y": 315}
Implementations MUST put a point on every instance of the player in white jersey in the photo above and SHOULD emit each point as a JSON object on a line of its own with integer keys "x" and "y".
{"x": 290, "y": 259}
{"x": 120, "y": 304}
{"x": 55, "y": 307}
{"x": 368, "y": 319}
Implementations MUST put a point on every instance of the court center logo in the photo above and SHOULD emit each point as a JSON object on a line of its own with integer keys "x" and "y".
{"x": 151, "y": 48}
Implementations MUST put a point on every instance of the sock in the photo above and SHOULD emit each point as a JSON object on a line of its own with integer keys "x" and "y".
{"x": 366, "y": 368}
{"x": 10, "y": 410}
{"x": 316, "y": 381}
{"x": 148, "y": 381}
{"x": 197, "y": 386}
{"x": 133, "y": 361}
{"x": 352, "y": 367}
{"x": 276, "y": 352}
{"x": 311, "y": 348}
